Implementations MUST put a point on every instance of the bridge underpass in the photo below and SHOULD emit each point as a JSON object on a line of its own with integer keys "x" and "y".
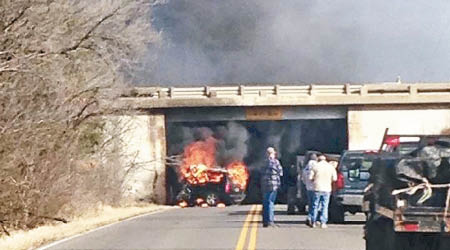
{"x": 243, "y": 134}
{"x": 359, "y": 112}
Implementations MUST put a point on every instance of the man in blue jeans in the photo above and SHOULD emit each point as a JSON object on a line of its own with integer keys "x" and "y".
{"x": 270, "y": 183}
{"x": 309, "y": 184}
{"x": 322, "y": 175}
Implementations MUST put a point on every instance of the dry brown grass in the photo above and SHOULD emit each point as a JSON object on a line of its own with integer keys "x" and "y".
{"x": 45, "y": 234}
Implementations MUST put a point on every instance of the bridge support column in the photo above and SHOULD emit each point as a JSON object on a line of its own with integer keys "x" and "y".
{"x": 144, "y": 147}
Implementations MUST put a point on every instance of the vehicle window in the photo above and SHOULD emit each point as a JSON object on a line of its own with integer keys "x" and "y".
{"x": 366, "y": 165}
{"x": 357, "y": 167}
{"x": 353, "y": 174}
{"x": 407, "y": 148}
{"x": 350, "y": 163}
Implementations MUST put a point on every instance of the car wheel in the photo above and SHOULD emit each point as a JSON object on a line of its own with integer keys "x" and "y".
{"x": 212, "y": 199}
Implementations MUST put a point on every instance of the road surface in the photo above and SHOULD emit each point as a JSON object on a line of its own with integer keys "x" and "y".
{"x": 234, "y": 227}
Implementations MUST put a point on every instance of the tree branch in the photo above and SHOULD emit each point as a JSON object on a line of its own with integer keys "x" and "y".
{"x": 50, "y": 218}
{"x": 86, "y": 36}
{"x": 10, "y": 24}
{"x": 4, "y": 229}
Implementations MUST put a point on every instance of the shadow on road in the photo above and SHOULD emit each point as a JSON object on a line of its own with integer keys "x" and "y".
{"x": 357, "y": 222}
{"x": 291, "y": 222}
{"x": 244, "y": 212}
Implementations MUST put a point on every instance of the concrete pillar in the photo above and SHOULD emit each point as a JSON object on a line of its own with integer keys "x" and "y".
{"x": 366, "y": 124}
{"x": 144, "y": 153}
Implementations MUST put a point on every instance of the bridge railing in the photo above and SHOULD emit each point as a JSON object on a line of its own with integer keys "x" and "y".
{"x": 290, "y": 90}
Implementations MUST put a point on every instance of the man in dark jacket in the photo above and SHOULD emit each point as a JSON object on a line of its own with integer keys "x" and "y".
{"x": 270, "y": 183}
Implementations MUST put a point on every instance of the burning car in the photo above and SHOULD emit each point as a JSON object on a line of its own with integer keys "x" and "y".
{"x": 205, "y": 183}
{"x": 221, "y": 190}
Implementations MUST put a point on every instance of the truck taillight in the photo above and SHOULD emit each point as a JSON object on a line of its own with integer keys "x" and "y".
{"x": 411, "y": 227}
{"x": 392, "y": 140}
{"x": 340, "y": 181}
{"x": 227, "y": 187}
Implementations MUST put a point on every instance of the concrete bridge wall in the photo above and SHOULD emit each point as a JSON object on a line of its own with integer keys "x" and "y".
{"x": 144, "y": 153}
{"x": 366, "y": 124}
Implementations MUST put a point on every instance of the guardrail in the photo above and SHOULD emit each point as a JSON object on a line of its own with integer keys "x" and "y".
{"x": 289, "y": 90}
{"x": 285, "y": 95}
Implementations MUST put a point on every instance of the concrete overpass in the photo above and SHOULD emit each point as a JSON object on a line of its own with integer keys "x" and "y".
{"x": 411, "y": 108}
{"x": 285, "y": 95}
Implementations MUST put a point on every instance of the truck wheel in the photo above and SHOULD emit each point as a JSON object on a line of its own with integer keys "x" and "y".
{"x": 417, "y": 241}
{"x": 337, "y": 214}
{"x": 379, "y": 234}
{"x": 444, "y": 243}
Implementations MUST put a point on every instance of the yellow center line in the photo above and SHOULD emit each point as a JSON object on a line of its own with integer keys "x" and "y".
{"x": 253, "y": 233}
{"x": 243, "y": 235}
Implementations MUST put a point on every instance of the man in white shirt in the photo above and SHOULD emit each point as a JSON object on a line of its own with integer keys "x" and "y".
{"x": 322, "y": 175}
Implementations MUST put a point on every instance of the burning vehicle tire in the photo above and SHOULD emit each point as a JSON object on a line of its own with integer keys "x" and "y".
{"x": 212, "y": 199}
{"x": 212, "y": 194}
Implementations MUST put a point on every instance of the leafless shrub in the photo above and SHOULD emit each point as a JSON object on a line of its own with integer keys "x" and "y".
{"x": 56, "y": 58}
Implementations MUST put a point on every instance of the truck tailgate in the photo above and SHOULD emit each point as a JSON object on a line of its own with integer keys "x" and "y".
{"x": 421, "y": 219}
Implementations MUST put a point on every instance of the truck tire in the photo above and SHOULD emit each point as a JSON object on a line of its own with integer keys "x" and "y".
{"x": 379, "y": 235}
{"x": 336, "y": 213}
{"x": 444, "y": 243}
{"x": 417, "y": 241}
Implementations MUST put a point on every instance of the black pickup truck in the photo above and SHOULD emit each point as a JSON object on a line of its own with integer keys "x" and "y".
{"x": 407, "y": 199}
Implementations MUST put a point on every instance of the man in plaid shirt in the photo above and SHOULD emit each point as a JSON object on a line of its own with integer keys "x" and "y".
{"x": 270, "y": 183}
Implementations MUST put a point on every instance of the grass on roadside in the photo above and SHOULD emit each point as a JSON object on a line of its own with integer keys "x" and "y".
{"x": 45, "y": 234}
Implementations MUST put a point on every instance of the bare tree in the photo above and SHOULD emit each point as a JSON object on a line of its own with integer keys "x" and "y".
{"x": 56, "y": 57}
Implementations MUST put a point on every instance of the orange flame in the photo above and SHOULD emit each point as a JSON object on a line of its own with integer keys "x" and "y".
{"x": 238, "y": 174}
{"x": 183, "y": 204}
{"x": 199, "y": 165}
{"x": 199, "y": 162}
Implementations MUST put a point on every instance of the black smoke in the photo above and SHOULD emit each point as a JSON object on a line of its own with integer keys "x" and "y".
{"x": 299, "y": 41}
{"x": 247, "y": 141}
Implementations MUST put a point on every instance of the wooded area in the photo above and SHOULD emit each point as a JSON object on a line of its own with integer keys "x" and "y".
{"x": 57, "y": 154}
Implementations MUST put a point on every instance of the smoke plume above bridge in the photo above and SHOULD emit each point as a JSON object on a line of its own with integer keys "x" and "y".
{"x": 299, "y": 41}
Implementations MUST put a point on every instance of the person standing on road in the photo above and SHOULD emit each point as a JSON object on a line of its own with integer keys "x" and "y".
{"x": 309, "y": 185}
{"x": 271, "y": 182}
{"x": 323, "y": 175}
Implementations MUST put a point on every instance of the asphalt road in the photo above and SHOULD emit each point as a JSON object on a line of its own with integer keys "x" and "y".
{"x": 234, "y": 227}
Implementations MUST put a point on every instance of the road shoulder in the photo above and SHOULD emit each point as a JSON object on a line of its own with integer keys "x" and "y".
{"x": 104, "y": 217}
